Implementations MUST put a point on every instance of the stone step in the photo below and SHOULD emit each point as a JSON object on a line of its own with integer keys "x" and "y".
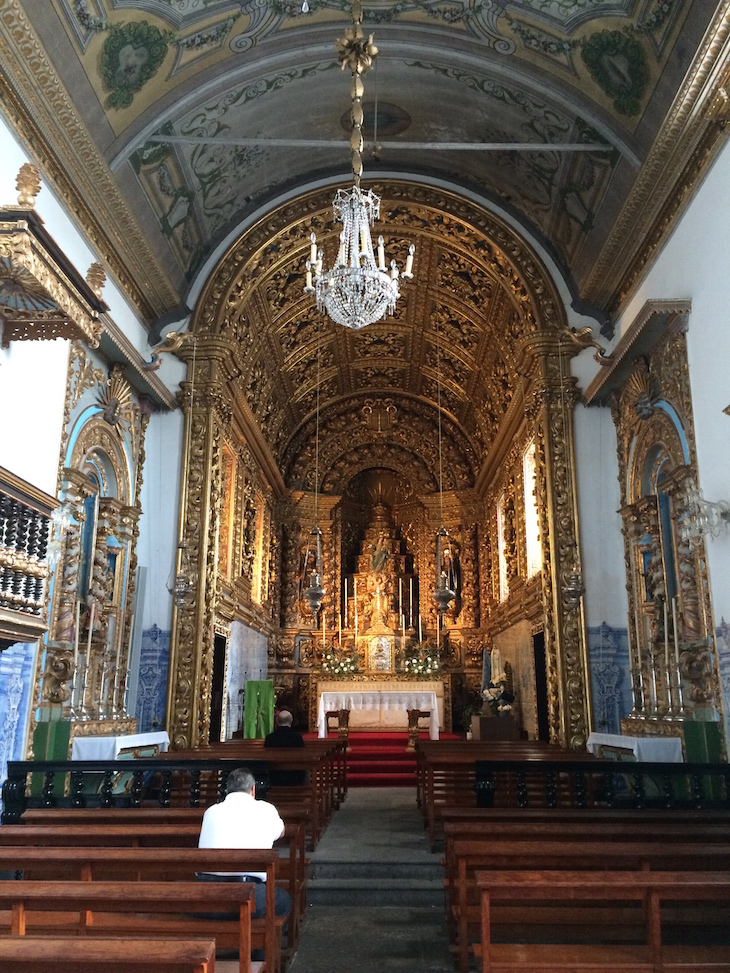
{"x": 375, "y": 892}
{"x": 376, "y": 871}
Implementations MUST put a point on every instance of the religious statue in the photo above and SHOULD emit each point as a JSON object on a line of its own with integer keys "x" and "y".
{"x": 381, "y": 554}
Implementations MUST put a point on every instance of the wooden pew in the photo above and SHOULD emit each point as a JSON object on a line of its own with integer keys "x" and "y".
{"x": 504, "y": 854}
{"x": 134, "y": 909}
{"x": 155, "y": 865}
{"x": 51, "y": 955}
{"x": 552, "y": 890}
{"x": 321, "y": 760}
{"x": 446, "y": 770}
{"x": 146, "y": 828}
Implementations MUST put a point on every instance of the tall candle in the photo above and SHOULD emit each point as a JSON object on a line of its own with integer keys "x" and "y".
{"x": 345, "y": 602}
{"x": 400, "y": 596}
{"x": 76, "y": 639}
{"x": 340, "y": 621}
{"x": 91, "y": 629}
{"x": 324, "y": 629}
{"x": 676, "y": 631}
{"x": 420, "y": 633}
{"x": 628, "y": 639}
{"x": 354, "y": 585}
{"x": 437, "y": 631}
{"x": 410, "y": 606}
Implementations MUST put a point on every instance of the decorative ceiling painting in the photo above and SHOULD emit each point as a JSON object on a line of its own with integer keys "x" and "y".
{"x": 210, "y": 109}
{"x": 493, "y": 129}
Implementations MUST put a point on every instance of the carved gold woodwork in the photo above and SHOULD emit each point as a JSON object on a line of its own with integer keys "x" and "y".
{"x": 550, "y": 412}
{"x": 50, "y": 300}
{"x": 649, "y": 441}
{"x": 256, "y": 348}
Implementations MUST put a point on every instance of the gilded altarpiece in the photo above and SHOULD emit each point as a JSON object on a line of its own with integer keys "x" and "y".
{"x": 100, "y": 477}
{"x": 672, "y": 648}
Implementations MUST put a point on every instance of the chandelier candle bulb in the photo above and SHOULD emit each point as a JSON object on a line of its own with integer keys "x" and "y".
{"x": 408, "y": 272}
{"x": 309, "y": 288}
{"x": 381, "y": 253}
{"x": 393, "y": 270}
{"x": 313, "y": 249}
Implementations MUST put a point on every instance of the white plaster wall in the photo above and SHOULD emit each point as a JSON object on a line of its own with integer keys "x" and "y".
{"x": 158, "y": 524}
{"x": 695, "y": 265}
{"x": 599, "y": 499}
{"x": 32, "y": 392}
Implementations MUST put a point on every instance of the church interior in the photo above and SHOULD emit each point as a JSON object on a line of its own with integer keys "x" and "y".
{"x": 479, "y": 458}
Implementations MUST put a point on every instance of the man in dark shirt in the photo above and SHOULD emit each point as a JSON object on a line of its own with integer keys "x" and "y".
{"x": 284, "y": 736}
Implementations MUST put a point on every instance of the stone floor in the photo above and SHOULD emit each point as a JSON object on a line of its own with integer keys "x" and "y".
{"x": 376, "y": 896}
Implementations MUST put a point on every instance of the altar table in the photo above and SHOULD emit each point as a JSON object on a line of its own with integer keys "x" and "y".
{"x": 107, "y": 748}
{"x": 379, "y": 700}
{"x": 666, "y": 750}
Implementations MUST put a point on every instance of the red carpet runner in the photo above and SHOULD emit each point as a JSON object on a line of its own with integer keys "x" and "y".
{"x": 381, "y": 760}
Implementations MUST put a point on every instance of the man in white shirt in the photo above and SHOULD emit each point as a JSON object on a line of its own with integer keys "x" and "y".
{"x": 240, "y": 821}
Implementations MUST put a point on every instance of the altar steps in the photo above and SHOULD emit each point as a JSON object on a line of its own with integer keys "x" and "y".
{"x": 381, "y": 760}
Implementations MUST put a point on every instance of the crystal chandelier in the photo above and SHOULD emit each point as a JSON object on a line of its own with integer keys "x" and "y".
{"x": 703, "y": 517}
{"x": 358, "y": 290}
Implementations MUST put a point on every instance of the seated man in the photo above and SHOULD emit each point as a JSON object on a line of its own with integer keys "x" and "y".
{"x": 285, "y": 736}
{"x": 240, "y": 821}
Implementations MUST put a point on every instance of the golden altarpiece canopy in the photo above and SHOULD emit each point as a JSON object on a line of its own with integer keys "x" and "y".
{"x": 482, "y": 307}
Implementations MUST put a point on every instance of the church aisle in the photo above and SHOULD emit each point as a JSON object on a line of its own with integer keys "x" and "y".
{"x": 375, "y": 893}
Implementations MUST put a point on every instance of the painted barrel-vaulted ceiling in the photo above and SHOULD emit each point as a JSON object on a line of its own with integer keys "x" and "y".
{"x": 168, "y": 124}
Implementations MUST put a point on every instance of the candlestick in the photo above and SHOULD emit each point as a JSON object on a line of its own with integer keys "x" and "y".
{"x": 403, "y": 627}
{"x": 76, "y": 637}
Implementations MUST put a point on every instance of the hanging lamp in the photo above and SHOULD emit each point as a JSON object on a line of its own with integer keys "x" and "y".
{"x": 357, "y": 290}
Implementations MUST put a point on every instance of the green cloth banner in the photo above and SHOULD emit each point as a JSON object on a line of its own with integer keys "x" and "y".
{"x": 258, "y": 713}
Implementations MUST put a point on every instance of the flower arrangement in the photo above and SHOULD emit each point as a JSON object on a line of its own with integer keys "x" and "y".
{"x": 422, "y": 661}
{"x": 340, "y": 662}
{"x": 498, "y": 697}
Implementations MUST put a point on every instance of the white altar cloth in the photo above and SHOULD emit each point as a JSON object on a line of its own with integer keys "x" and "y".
{"x": 666, "y": 750}
{"x": 107, "y": 748}
{"x": 379, "y": 700}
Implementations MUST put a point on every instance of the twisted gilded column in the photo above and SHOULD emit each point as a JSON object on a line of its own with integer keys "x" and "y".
{"x": 549, "y": 410}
